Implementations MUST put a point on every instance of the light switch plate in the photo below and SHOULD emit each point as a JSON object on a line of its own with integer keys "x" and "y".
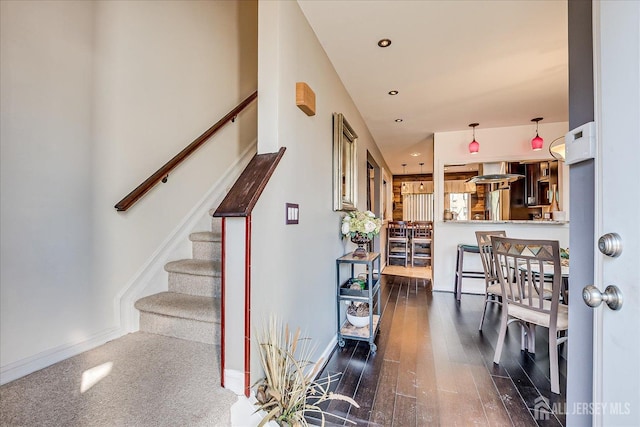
{"x": 292, "y": 213}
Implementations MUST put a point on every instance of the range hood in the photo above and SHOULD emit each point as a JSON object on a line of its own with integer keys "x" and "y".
{"x": 494, "y": 173}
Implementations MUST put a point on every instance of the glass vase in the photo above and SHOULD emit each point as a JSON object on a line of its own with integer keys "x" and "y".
{"x": 361, "y": 240}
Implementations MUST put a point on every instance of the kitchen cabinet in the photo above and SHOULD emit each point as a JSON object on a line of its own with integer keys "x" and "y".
{"x": 530, "y": 197}
{"x": 539, "y": 179}
{"x": 547, "y": 178}
{"x": 370, "y": 294}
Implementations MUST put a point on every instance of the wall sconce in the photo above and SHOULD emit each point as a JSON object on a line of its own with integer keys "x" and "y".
{"x": 537, "y": 142}
{"x": 474, "y": 147}
{"x": 305, "y": 98}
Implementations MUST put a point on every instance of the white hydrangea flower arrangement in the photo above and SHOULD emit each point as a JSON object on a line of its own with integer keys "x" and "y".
{"x": 361, "y": 223}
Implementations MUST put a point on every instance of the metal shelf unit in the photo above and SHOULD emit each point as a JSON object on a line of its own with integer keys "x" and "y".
{"x": 371, "y": 295}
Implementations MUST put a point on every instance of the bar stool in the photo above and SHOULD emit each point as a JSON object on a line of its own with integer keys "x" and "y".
{"x": 398, "y": 241}
{"x": 421, "y": 241}
{"x": 460, "y": 272}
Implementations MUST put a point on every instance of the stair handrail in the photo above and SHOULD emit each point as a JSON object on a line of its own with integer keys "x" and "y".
{"x": 162, "y": 173}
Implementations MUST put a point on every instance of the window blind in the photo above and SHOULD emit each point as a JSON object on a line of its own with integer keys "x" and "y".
{"x": 417, "y": 207}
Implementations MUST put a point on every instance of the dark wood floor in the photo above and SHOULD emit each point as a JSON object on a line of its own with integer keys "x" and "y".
{"x": 433, "y": 366}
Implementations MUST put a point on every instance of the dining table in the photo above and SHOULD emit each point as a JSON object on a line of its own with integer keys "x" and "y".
{"x": 549, "y": 272}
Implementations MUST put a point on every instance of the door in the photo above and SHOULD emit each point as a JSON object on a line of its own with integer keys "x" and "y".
{"x": 374, "y": 188}
{"x": 617, "y": 109}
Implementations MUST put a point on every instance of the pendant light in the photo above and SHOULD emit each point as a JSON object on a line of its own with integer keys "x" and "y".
{"x": 474, "y": 147}
{"x": 404, "y": 172}
{"x": 537, "y": 142}
{"x": 421, "y": 184}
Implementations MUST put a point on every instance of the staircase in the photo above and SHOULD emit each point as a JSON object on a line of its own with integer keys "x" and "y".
{"x": 190, "y": 309}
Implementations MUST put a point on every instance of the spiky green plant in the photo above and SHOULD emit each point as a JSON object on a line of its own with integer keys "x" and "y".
{"x": 289, "y": 389}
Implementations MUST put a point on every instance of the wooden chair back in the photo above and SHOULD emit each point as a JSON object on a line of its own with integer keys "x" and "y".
{"x": 422, "y": 229}
{"x": 398, "y": 230}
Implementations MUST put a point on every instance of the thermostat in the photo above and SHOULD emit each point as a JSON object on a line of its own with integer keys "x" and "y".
{"x": 580, "y": 143}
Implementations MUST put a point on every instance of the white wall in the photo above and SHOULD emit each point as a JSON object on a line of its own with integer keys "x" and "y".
{"x": 293, "y": 266}
{"x": 47, "y": 181}
{"x": 95, "y": 97}
{"x": 158, "y": 90}
{"x": 496, "y": 144}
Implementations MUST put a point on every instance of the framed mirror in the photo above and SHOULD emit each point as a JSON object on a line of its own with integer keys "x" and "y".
{"x": 344, "y": 165}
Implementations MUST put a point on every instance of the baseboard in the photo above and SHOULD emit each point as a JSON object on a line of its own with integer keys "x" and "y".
{"x": 136, "y": 288}
{"x": 328, "y": 350}
{"x": 477, "y": 288}
{"x": 449, "y": 291}
{"x": 234, "y": 381}
{"x": 244, "y": 413}
{"x": 30, "y": 364}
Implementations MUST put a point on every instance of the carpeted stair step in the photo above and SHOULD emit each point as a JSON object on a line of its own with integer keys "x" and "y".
{"x": 189, "y": 317}
{"x": 194, "y": 277}
{"x": 206, "y": 245}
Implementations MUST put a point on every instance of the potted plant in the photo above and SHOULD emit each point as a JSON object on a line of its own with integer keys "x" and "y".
{"x": 289, "y": 389}
{"x": 361, "y": 227}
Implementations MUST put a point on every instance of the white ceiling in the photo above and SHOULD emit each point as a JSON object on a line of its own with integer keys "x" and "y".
{"x": 454, "y": 62}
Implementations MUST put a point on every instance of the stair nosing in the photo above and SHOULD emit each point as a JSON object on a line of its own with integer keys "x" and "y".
{"x": 185, "y": 266}
{"x": 205, "y": 236}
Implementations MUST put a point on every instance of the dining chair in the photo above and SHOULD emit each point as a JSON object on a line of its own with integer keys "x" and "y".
{"x": 398, "y": 241}
{"x": 493, "y": 290}
{"x": 421, "y": 241}
{"x": 516, "y": 262}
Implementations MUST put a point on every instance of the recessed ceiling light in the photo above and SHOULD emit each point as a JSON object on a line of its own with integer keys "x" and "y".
{"x": 398, "y": 120}
{"x": 393, "y": 92}
{"x": 415, "y": 154}
{"x": 384, "y": 43}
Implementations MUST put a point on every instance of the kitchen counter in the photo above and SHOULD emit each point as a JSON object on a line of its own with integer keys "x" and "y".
{"x": 448, "y": 234}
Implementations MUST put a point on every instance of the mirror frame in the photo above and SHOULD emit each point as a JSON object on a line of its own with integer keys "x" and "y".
{"x": 345, "y": 184}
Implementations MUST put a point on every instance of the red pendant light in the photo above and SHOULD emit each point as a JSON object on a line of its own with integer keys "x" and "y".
{"x": 537, "y": 142}
{"x": 474, "y": 146}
